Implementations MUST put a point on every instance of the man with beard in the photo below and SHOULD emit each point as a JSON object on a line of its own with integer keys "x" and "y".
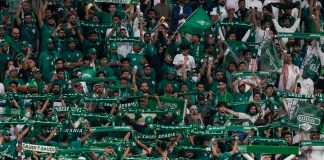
{"x": 251, "y": 114}
{"x": 7, "y": 144}
{"x": 148, "y": 47}
{"x": 4, "y": 57}
{"x": 46, "y": 29}
{"x": 287, "y": 27}
{"x": 170, "y": 78}
{"x": 29, "y": 31}
{"x": 241, "y": 95}
{"x": 58, "y": 78}
{"x": 92, "y": 41}
{"x": 12, "y": 75}
{"x": 104, "y": 66}
{"x": 313, "y": 152}
{"x": 147, "y": 78}
{"x": 47, "y": 59}
{"x": 222, "y": 94}
{"x": 14, "y": 41}
{"x": 72, "y": 56}
{"x": 37, "y": 78}
{"x": 59, "y": 64}
{"x": 194, "y": 117}
{"x": 221, "y": 117}
{"x": 20, "y": 58}
{"x": 221, "y": 10}
{"x": 60, "y": 38}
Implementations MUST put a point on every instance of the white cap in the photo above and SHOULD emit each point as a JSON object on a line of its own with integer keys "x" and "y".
{"x": 166, "y": 25}
{"x": 213, "y": 13}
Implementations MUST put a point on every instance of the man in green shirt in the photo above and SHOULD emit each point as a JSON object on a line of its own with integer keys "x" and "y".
{"x": 92, "y": 41}
{"x": 241, "y": 95}
{"x": 58, "y": 78}
{"x": 72, "y": 56}
{"x": 148, "y": 47}
{"x": 21, "y": 56}
{"x": 47, "y": 59}
{"x": 86, "y": 70}
{"x": 135, "y": 56}
{"x": 113, "y": 57}
{"x": 147, "y": 78}
{"x": 105, "y": 67}
{"x": 12, "y": 75}
{"x": 37, "y": 78}
{"x": 4, "y": 54}
{"x": 226, "y": 155}
{"x": 222, "y": 94}
{"x": 221, "y": 117}
{"x": 7, "y": 145}
{"x": 29, "y": 31}
{"x": 170, "y": 78}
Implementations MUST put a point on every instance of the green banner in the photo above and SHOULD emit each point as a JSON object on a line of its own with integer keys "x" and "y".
{"x": 11, "y": 111}
{"x": 70, "y": 109}
{"x": 249, "y": 73}
{"x": 196, "y": 23}
{"x": 117, "y": 1}
{"x": 269, "y": 59}
{"x": 176, "y": 103}
{"x": 157, "y": 136}
{"x": 298, "y": 35}
{"x": 312, "y": 143}
{"x": 307, "y": 116}
{"x": 268, "y": 149}
{"x": 39, "y": 148}
{"x": 268, "y": 141}
{"x": 246, "y": 102}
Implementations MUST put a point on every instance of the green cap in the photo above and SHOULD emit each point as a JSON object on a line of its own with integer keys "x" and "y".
{"x": 25, "y": 43}
{"x": 92, "y": 51}
{"x": 49, "y": 40}
{"x": 71, "y": 39}
{"x": 2, "y": 27}
{"x": 4, "y": 43}
{"x": 36, "y": 71}
{"x": 5, "y": 133}
{"x": 31, "y": 84}
{"x": 113, "y": 45}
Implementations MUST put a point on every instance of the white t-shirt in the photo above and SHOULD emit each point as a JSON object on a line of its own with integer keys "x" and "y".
{"x": 179, "y": 59}
{"x": 252, "y": 119}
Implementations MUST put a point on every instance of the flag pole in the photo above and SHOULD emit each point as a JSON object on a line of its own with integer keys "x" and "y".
{"x": 183, "y": 23}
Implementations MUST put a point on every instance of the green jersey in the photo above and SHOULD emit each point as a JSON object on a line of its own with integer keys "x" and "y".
{"x": 46, "y": 63}
{"x": 135, "y": 59}
{"x": 29, "y": 33}
{"x": 46, "y": 32}
{"x": 241, "y": 97}
{"x": 220, "y": 119}
{"x": 4, "y": 57}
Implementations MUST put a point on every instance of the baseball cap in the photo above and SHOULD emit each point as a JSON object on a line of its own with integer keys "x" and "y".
{"x": 25, "y": 43}
{"x": 5, "y": 133}
{"x": 113, "y": 45}
{"x": 92, "y": 51}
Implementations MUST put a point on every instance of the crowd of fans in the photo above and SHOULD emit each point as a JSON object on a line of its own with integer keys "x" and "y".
{"x": 48, "y": 46}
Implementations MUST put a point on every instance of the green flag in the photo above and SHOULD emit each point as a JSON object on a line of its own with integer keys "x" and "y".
{"x": 269, "y": 58}
{"x": 307, "y": 116}
{"x": 196, "y": 23}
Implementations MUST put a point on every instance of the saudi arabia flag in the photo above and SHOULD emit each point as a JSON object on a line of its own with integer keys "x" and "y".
{"x": 196, "y": 23}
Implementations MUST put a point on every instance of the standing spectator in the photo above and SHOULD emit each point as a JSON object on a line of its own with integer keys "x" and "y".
{"x": 29, "y": 30}
{"x": 47, "y": 59}
{"x": 179, "y": 13}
